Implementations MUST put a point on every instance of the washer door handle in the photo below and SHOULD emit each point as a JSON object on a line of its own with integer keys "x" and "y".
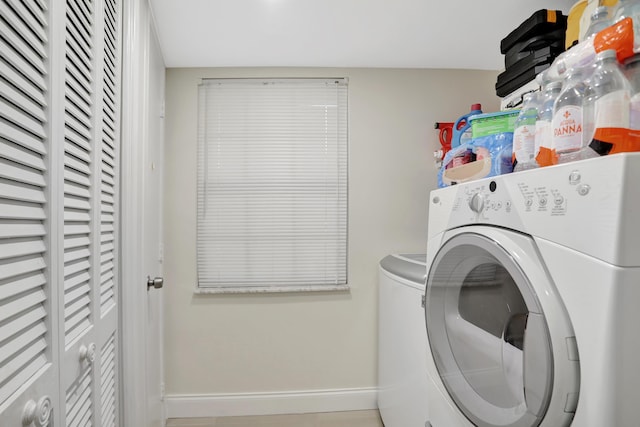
{"x": 537, "y": 365}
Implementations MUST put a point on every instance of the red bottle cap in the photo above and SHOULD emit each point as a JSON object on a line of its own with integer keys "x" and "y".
{"x": 476, "y": 107}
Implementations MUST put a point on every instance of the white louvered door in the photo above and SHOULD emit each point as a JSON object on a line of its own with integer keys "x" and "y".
{"x": 107, "y": 216}
{"x": 88, "y": 186}
{"x": 59, "y": 157}
{"x": 28, "y": 338}
{"x": 77, "y": 190}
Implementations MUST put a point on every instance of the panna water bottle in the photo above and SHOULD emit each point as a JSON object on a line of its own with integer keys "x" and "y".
{"x": 544, "y": 133}
{"x": 524, "y": 133}
{"x": 629, "y": 9}
{"x": 632, "y": 72}
{"x": 599, "y": 21}
{"x": 567, "y": 117}
{"x": 606, "y": 106}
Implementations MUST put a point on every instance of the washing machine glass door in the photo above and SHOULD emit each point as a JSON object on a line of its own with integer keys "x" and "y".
{"x": 488, "y": 335}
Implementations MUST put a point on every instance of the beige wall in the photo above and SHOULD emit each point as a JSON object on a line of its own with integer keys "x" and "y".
{"x": 308, "y": 341}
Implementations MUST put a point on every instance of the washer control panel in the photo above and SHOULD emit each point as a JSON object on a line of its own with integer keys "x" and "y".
{"x": 505, "y": 199}
{"x": 481, "y": 202}
{"x": 572, "y": 204}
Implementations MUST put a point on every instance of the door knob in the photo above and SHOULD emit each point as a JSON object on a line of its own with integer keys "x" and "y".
{"x": 37, "y": 413}
{"x": 155, "y": 283}
{"x": 88, "y": 353}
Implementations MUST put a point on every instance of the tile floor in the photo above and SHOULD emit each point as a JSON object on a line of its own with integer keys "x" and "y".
{"x": 329, "y": 419}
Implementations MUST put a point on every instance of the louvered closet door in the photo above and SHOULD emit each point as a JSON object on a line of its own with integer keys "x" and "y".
{"x": 107, "y": 208}
{"x": 28, "y": 350}
{"x": 59, "y": 127}
{"x": 88, "y": 186}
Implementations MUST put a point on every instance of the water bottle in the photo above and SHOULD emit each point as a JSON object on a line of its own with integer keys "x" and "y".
{"x": 619, "y": 36}
{"x": 599, "y": 21}
{"x": 567, "y": 117}
{"x": 606, "y": 107}
{"x": 632, "y": 71}
{"x": 462, "y": 127}
{"x": 524, "y": 133}
{"x": 543, "y": 145}
{"x": 629, "y": 9}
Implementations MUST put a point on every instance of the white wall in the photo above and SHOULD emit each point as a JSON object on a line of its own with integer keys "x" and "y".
{"x": 225, "y": 344}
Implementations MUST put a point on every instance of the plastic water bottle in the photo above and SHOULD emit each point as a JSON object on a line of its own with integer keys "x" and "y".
{"x": 599, "y": 21}
{"x": 524, "y": 133}
{"x": 619, "y": 36}
{"x": 606, "y": 107}
{"x": 629, "y": 9}
{"x": 544, "y": 132}
{"x": 632, "y": 71}
{"x": 567, "y": 117}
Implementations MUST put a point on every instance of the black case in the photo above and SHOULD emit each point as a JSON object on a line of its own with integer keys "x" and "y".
{"x": 553, "y": 40}
{"x": 504, "y": 88}
{"x": 533, "y": 59}
{"x": 541, "y": 22}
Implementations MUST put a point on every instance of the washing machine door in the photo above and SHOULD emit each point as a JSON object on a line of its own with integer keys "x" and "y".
{"x": 487, "y": 332}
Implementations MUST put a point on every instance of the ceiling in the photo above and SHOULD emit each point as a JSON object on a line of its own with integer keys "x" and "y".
{"x": 340, "y": 33}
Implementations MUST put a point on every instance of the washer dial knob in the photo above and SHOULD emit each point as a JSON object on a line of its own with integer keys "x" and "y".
{"x": 477, "y": 203}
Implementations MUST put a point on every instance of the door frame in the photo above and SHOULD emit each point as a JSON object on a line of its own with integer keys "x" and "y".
{"x": 137, "y": 20}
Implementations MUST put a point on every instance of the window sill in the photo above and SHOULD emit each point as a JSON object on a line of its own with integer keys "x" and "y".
{"x": 271, "y": 289}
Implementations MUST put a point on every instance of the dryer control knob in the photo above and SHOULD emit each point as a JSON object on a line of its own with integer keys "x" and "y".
{"x": 477, "y": 203}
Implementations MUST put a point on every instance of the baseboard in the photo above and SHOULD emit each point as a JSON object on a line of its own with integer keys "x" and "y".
{"x": 294, "y": 402}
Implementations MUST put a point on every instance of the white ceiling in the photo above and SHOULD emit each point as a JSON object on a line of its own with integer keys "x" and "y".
{"x": 340, "y": 33}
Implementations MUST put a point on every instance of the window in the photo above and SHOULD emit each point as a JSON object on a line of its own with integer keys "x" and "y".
{"x": 272, "y": 185}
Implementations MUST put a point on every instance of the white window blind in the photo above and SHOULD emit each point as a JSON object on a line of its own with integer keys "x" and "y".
{"x": 272, "y": 184}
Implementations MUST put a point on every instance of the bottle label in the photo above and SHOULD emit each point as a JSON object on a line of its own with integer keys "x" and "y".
{"x": 612, "y": 110}
{"x": 567, "y": 129}
{"x": 524, "y": 143}
{"x": 634, "y": 112}
{"x": 543, "y": 135}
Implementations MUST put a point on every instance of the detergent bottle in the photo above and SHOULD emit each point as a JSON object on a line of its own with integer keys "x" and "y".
{"x": 445, "y": 134}
{"x": 462, "y": 127}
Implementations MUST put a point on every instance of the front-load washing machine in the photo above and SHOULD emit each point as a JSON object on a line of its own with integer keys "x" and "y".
{"x": 533, "y": 286}
{"x": 402, "y": 343}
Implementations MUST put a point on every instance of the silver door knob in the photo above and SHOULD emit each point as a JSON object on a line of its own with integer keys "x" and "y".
{"x": 155, "y": 283}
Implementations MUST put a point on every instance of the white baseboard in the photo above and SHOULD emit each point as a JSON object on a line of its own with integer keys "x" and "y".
{"x": 294, "y": 402}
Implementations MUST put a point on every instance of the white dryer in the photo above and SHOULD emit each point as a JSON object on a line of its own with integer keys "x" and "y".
{"x": 402, "y": 343}
{"x": 532, "y": 297}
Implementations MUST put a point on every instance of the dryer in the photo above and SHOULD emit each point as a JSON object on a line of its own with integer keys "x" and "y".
{"x": 531, "y": 300}
{"x": 402, "y": 344}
